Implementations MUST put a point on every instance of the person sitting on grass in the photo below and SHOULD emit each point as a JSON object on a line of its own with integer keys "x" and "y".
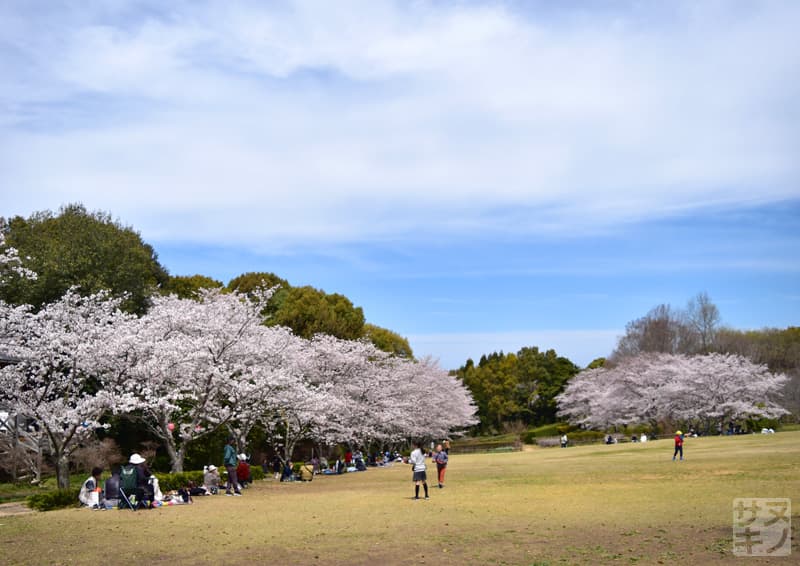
{"x": 288, "y": 472}
{"x": 91, "y": 492}
{"x": 144, "y": 487}
{"x": 111, "y": 488}
{"x": 211, "y": 479}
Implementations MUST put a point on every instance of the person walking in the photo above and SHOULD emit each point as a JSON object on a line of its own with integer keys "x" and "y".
{"x": 231, "y": 461}
{"x": 441, "y": 459}
{"x": 417, "y": 460}
{"x": 678, "y": 445}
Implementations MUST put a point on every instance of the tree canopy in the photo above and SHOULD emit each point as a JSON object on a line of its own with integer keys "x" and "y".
{"x": 189, "y": 367}
{"x": 309, "y": 311}
{"x": 517, "y": 387}
{"x": 653, "y": 389}
{"x": 82, "y": 249}
{"x": 189, "y": 286}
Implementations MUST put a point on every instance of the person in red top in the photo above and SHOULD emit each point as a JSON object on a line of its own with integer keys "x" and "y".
{"x": 243, "y": 471}
{"x": 678, "y": 445}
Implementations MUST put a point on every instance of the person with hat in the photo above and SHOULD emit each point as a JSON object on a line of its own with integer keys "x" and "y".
{"x": 678, "y": 445}
{"x": 144, "y": 488}
{"x": 231, "y": 461}
{"x": 211, "y": 479}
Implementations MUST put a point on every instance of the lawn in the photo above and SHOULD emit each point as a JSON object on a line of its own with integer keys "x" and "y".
{"x": 597, "y": 504}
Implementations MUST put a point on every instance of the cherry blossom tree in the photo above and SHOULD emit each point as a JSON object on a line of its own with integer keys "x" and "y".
{"x": 697, "y": 391}
{"x": 11, "y": 264}
{"x": 383, "y": 398}
{"x": 60, "y": 381}
{"x": 192, "y": 362}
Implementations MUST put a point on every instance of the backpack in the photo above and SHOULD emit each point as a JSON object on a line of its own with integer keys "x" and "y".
{"x": 127, "y": 479}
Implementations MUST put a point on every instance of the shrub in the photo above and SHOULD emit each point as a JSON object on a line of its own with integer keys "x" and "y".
{"x": 170, "y": 482}
{"x": 57, "y": 499}
{"x": 257, "y": 473}
{"x": 586, "y": 436}
{"x": 553, "y": 429}
{"x": 486, "y": 444}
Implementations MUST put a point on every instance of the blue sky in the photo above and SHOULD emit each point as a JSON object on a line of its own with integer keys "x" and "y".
{"x": 478, "y": 176}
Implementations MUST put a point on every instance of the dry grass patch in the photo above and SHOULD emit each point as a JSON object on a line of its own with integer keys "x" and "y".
{"x": 582, "y": 505}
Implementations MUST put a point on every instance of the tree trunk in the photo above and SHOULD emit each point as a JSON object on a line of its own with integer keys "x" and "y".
{"x": 62, "y": 471}
{"x": 175, "y": 456}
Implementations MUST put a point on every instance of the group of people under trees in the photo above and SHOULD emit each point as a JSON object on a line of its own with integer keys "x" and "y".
{"x": 134, "y": 485}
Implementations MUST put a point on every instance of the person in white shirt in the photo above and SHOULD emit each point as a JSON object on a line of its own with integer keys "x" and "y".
{"x": 417, "y": 460}
{"x": 90, "y": 494}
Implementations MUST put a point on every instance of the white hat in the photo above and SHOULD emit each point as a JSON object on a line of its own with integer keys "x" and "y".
{"x": 136, "y": 459}
{"x": 243, "y": 456}
{"x": 211, "y": 468}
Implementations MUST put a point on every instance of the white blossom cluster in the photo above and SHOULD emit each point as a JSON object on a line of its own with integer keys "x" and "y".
{"x": 696, "y": 390}
{"x": 10, "y": 263}
{"x": 189, "y": 367}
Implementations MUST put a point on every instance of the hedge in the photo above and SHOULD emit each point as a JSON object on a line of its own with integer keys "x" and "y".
{"x": 57, "y": 499}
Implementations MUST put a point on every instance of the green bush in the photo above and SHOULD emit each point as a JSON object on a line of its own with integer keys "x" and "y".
{"x": 170, "y": 482}
{"x": 586, "y": 436}
{"x": 486, "y": 444}
{"x": 548, "y": 430}
{"x": 57, "y": 499}
{"x": 257, "y": 473}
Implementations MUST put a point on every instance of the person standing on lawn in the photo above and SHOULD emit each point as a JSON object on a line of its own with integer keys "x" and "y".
{"x": 441, "y": 459}
{"x": 417, "y": 460}
{"x": 231, "y": 461}
{"x": 678, "y": 445}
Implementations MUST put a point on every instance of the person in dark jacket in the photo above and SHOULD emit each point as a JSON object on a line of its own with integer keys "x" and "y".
{"x": 231, "y": 461}
{"x": 111, "y": 488}
{"x": 144, "y": 489}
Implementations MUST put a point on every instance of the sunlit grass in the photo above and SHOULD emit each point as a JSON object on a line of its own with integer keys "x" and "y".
{"x": 624, "y": 503}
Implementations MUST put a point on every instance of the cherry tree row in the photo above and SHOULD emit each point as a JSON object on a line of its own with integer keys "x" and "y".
{"x": 692, "y": 390}
{"x": 190, "y": 367}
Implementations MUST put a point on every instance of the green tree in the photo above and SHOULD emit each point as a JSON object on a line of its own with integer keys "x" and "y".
{"x": 388, "y": 341}
{"x": 248, "y": 282}
{"x": 542, "y": 376}
{"x": 309, "y": 311}
{"x": 187, "y": 286}
{"x": 517, "y": 387}
{"x": 596, "y": 363}
{"x": 494, "y": 387}
{"x": 83, "y": 249}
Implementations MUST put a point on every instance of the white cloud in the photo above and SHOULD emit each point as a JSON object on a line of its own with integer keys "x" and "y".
{"x": 378, "y": 119}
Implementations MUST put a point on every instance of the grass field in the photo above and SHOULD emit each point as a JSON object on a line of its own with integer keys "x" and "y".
{"x": 620, "y": 504}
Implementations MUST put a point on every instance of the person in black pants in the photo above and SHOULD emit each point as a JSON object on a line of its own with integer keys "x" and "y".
{"x": 144, "y": 489}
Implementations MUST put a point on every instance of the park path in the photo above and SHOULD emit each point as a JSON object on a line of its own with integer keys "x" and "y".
{"x": 13, "y": 508}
